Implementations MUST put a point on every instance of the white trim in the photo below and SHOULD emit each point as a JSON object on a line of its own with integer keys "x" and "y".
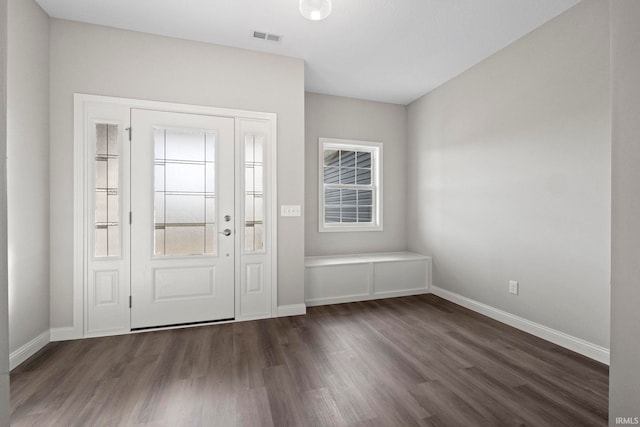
{"x": 237, "y": 179}
{"x": 173, "y": 107}
{"x": 364, "y": 258}
{"x": 79, "y": 220}
{"x": 29, "y": 349}
{"x": 292, "y": 310}
{"x": 65, "y": 334}
{"x": 562, "y": 339}
{"x": 274, "y": 216}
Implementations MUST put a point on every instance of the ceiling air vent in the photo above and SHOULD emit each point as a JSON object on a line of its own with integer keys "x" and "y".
{"x": 266, "y": 36}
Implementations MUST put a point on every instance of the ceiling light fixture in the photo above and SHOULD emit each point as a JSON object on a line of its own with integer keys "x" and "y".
{"x": 315, "y": 10}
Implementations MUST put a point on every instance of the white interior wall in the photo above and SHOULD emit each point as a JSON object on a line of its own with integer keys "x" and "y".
{"x": 624, "y": 385}
{"x": 28, "y": 171}
{"x": 105, "y": 61}
{"x": 509, "y": 177}
{"x": 339, "y": 117}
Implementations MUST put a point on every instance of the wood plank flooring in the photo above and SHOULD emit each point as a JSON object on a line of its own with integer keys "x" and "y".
{"x": 412, "y": 361}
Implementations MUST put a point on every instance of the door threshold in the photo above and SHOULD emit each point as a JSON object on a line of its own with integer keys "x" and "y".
{"x": 181, "y": 325}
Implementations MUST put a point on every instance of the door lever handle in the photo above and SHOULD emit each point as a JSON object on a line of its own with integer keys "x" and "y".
{"x": 226, "y": 232}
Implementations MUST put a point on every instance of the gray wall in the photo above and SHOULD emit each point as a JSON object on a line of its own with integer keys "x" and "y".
{"x": 509, "y": 176}
{"x": 348, "y": 118}
{"x": 624, "y": 390}
{"x": 98, "y": 60}
{"x": 4, "y": 309}
{"x": 28, "y": 171}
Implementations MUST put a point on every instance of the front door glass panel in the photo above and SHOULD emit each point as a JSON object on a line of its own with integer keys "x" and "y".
{"x": 185, "y": 192}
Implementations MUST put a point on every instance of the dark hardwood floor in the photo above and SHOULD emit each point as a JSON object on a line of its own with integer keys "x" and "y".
{"x": 413, "y": 361}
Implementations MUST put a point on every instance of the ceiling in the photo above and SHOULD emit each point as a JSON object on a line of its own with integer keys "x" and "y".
{"x": 382, "y": 50}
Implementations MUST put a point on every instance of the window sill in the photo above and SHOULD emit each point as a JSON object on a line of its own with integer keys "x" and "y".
{"x": 348, "y": 228}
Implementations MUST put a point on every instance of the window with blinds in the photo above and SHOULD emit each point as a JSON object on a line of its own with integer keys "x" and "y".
{"x": 350, "y": 190}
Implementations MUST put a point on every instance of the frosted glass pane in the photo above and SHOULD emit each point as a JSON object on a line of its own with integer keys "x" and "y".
{"x": 112, "y": 140}
{"x": 185, "y": 145}
{"x": 159, "y": 241}
{"x": 101, "y": 174}
{"x": 258, "y": 179}
{"x": 211, "y": 147}
{"x": 331, "y": 158}
{"x": 249, "y": 238}
{"x": 259, "y": 149}
{"x": 159, "y": 143}
{"x": 107, "y": 207}
{"x": 158, "y": 206}
{"x": 107, "y": 241}
{"x": 184, "y": 209}
{"x": 258, "y": 240}
{"x": 254, "y": 209}
{"x": 113, "y": 177}
{"x": 101, "y": 206}
{"x": 184, "y": 177}
{"x": 331, "y": 175}
{"x": 101, "y": 242}
{"x": 254, "y": 188}
{"x": 249, "y": 211}
{"x": 113, "y": 208}
{"x": 184, "y": 240}
{"x": 210, "y": 170}
{"x": 259, "y": 207}
{"x": 113, "y": 242}
{"x": 210, "y": 210}
{"x": 249, "y": 180}
{"x": 211, "y": 236}
{"x": 101, "y": 139}
{"x": 249, "y": 148}
{"x": 159, "y": 178}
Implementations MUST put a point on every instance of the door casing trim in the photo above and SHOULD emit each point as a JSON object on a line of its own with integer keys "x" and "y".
{"x": 81, "y": 101}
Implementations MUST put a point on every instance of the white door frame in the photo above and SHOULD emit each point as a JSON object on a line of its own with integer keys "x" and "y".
{"x": 82, "y": 106}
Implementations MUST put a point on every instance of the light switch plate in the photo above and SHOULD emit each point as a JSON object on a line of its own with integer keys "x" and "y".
{"x": 513, "y": 287}
{"x": 290, "y": 210}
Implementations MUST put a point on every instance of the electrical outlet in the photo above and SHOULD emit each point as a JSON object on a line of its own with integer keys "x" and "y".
{"x": 513, "y": 287}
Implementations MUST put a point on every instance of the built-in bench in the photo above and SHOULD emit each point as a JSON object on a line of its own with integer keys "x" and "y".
{"x": 348, "y": 278}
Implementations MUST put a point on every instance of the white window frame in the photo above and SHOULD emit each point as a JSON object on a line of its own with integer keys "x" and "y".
{"x": 376, "y": 184}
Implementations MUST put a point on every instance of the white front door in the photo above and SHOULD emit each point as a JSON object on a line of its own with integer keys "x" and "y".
{"x": 183, "y": 219}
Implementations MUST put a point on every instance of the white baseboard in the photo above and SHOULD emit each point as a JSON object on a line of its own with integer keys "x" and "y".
{"x": 292, "y": 310}
{"x": 29, "y": 349}
{"x": 578, "y": 345}
{"x": 65, "y": 334}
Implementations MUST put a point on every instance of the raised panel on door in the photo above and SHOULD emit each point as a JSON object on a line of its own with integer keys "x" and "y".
{"x": 182, "y": 189}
